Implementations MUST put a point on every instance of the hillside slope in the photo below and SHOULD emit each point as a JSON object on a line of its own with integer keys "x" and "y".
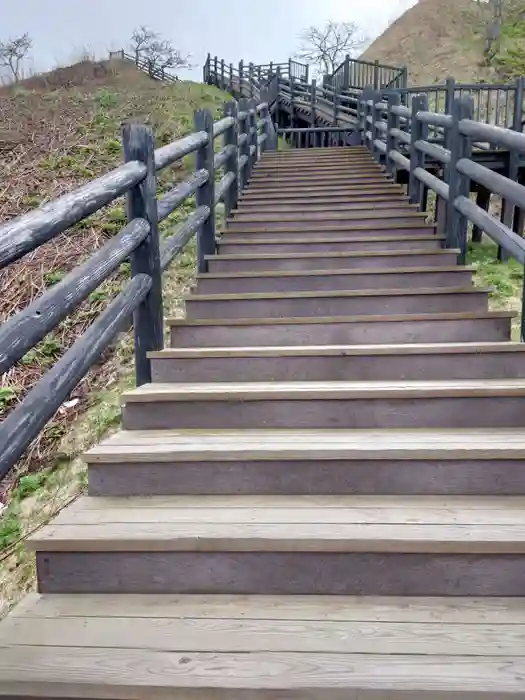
{"x": 58, "y": 131}
{"x": 440, "y": 38}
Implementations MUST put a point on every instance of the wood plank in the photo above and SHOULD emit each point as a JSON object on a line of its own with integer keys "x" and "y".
{"x": 346, "y": 294}
{"x": 492, "y": 611}
{"x": 281, "y": 537}
{"x": 231, "y": 445}
{"x": 359, "y": 254}
{"x": 325, "y": 273}
{"x": 344, "y": 350}
{"x": 134, "y": 674}
{"x": 281, "y": 636}
{"x": 392, "y": 318}
{"x": 168, "y": 392}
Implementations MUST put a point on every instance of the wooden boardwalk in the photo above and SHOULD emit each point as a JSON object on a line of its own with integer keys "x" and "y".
{"x": 321, "y": 494}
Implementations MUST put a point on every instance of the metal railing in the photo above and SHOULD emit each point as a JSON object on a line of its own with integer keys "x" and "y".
{"x": 410, "y": 149}
{"x": 246, "y": 130}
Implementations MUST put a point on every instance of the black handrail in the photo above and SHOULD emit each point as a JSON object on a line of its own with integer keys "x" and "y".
{"x": 138, "y": 241}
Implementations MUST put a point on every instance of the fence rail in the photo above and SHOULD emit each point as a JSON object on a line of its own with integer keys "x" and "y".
{"x": 398, "y": 136}
{"x": 149, "y": 67}
{"x": 354, "y": 73}
{"x": 246, "y": 130}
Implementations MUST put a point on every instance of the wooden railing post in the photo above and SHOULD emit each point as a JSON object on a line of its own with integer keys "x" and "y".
{"x": 138, "y": 144}
{"x": 265, "y": 114}
{"x": 336, "y": 105}
{"x": 346, "y": 72}
{"x": 252, "y": 135}
{"x": 394, "y": 100}
{"x": 418, "y": 132}
{"x": 206, "y": 70}
{"x": 376, "y": 113}
{"x": 290, "y": 70}
{"x": 307, "y": 74}
{"x": 313, "y": 97}
{"x": 223, "y": 84}
{"x": 241, "y": 76}
{"x": 231, "y": 137}
{"x": 459, "y": 185}
{"x": 250, "y": 78}
{"x": 216, "y": 71}
{"x": 205, "y": 195}
{"x": 376, "y": 75}
{"x": 231, "y": 79}
{"x": 244, "y": 149}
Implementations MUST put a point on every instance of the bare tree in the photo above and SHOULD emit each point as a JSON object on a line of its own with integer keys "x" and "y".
{"x": 12, "y": 54}
{"x": 162, "y": 54}
{"x": 327, "y": 45}
{"x": 141, "y": 40}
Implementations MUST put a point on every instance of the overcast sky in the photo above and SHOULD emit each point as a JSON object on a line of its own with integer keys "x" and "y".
{"x": 62, "y": 29}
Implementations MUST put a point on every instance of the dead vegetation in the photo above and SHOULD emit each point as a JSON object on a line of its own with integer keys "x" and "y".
{"x": 59, "y": 131}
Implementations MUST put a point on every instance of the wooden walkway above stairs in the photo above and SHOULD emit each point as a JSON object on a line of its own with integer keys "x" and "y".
{"x": 322, "y": 494}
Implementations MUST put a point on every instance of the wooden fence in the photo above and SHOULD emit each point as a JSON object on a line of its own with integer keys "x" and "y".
{"x": 408, "y": 148}
{"x": 149, "y": 67}
{"x": 246, "y": 130}
{"x": 354, "y": 73}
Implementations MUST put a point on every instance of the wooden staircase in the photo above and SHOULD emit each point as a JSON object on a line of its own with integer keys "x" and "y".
{"x": 320, "y": 496}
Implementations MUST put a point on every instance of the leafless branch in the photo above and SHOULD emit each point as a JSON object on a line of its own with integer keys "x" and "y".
{"x": 13, "y": 52}
{"x": 327, "y": 45}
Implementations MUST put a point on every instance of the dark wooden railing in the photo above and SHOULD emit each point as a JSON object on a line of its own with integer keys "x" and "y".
{"x": 455, "y": 173}
{"x": 354, "y": 73}
{"x": 217, "y": 71}
{"x": 247, "y": 130}
{"x": 149, "y": 67}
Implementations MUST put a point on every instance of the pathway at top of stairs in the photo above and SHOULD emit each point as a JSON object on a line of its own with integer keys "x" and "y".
{"x": 322, "y": 493}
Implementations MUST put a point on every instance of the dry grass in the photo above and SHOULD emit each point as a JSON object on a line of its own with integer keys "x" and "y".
{"x": 435, "y": 39}
{"x": 57, "y": 132}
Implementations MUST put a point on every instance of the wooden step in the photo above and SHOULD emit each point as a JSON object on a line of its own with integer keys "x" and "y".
{"x": 426, "y": 254}
{"x": 349, "y": 191}
{"x": 324, "y": 199}
{"x": 337, "y": 303}
{"x": 451, "y": 327}
{"x": 358, "y": 229}
{"x": 309, "y": 462}
{"x": 286, "y": 545}
{"x": 264, "y": 184}
{"x": 344, "y": 175}
{"x": 331, "y": 363}
{"x": 262, "y": 244}
{"x": 472, "y": 403}
{"x": 271, "y": 208}
{"x": 369, "y": 217}
{"x": 377, "y": 647}
{"x": 324, "y": 280}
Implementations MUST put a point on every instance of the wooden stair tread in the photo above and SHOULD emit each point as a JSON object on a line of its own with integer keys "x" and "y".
{"x": 330, "y": 272}
{"x": 390, "y": 318}
{"x": 166, "y": 524}
{"x": 352, "y": 293}
{"x": 341, "y": 254}
{"x": 342, "y": 350}
{"x": 320, "y": 647}
{"x": 326, "y": 225}
{"x": 236, "y": 237}
{"x": 237, "y": 445}
{"x": 335, "y": 390}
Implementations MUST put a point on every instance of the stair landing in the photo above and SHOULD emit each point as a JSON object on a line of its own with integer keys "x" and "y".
{"x": 321, "y": 495}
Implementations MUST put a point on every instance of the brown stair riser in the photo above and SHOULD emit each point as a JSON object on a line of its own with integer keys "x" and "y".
{"x": 343, "y": 175}
{"x": 367, "y": 218}
{"x": 284, "y": 307}
{"x": 334, "y": 246}
{"x": 264, "y": 183}
{"x": 415, "y": 411}
{"x": 337, "y": 200}
{"x": 402, "y": 258}
{"x": 309, "y": 477}
{"x": 251, "y": 209}
{"x": 334, "y": 333}
{"x": 350, "y": 191}
{"x": 340, "y": 367}
{"x": 336, "y": 169}
{"x": 399, "y": 225}
{"x": 328, "y": 233}
{"x": 299, "y": 573}
{"x": 305, "y": 283}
